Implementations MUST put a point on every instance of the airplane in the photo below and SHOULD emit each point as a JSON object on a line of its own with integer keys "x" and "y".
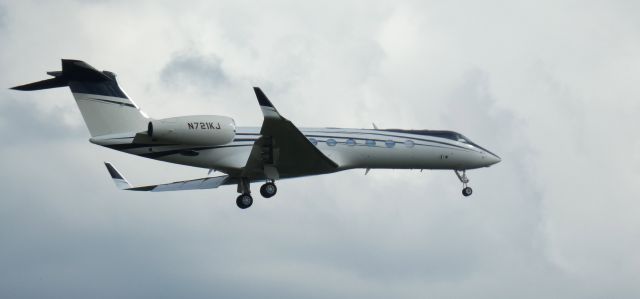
{"x": 276, "y": 150}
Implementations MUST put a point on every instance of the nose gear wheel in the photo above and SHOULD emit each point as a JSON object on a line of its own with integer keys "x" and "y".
{"x": 462, "y": 176}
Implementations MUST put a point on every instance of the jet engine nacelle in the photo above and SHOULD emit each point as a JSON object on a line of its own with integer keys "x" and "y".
{"x": 193, "y": 130}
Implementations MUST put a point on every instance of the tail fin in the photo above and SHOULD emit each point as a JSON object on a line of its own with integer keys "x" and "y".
{"x": 106, "y": 109}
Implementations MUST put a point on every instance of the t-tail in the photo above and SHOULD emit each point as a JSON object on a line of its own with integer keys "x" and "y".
{"x": 105, "y": 107}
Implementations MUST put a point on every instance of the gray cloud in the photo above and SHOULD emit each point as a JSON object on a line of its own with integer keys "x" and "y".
{"x": 3, "y": 18}
{"x": 557, "y": 105}
{"x": 191, "y": 70}
{"x": 22, "y": 122}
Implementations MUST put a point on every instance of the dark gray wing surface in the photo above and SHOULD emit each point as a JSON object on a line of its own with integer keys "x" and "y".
{"x": 283, "y": 150}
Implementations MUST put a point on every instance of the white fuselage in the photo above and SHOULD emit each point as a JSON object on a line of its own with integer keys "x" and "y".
{"x": 349, "y": 148}
{"x": 276, "y": 150}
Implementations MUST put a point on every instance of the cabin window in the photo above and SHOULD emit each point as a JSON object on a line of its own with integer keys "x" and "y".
{"x": 371, "y": 142}
{"x": 390, "y": 143}
{"x": 313, "y": 141}
{"x": 351, "y": 142}
{"x": 409, "y": 143}
{"x": 331, "y": 142}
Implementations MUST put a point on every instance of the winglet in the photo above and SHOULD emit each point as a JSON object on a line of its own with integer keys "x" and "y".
{"x": 262, "y": 98}
{"x": 118, "y": 179}
{"x": 268, "y": 110}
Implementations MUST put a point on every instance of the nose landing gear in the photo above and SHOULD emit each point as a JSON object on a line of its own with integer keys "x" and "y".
{"x": 462, "y": 176}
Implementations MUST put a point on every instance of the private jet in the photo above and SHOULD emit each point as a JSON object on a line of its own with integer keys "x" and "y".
{"x": 276, "y": 150}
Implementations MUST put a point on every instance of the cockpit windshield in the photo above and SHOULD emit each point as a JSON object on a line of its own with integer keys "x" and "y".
{"x": 441, "y": 134}
{"x": 461, "y": 138}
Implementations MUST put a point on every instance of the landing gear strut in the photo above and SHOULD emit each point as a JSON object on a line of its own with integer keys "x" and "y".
{"x": 269, "y": 189}
{"x": 462, "y": 176}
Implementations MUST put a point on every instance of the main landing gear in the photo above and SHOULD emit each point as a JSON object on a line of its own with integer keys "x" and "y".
{"x": 462, "y": 176}
{"x": 245, "y": 199}
{"x": 269, "y": 189}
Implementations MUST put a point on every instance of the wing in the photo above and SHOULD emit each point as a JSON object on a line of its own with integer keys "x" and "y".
{"x": 196, "y": 184}
{"x": 282, "y": 150}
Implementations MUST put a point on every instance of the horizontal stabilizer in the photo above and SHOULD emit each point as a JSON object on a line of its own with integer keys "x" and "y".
{"x": 196, "y": 184}
{"x": 72, "y": 70}
{"x": 44, "y": 84}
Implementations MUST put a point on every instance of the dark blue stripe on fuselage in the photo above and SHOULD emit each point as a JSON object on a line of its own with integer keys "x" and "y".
{"x": 158, "y": 154}
{"x": 412, "y": 137}
{"x": 182, "y": 150}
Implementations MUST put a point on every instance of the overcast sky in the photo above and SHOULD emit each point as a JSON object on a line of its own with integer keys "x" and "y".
{"x": 550, "y": 86}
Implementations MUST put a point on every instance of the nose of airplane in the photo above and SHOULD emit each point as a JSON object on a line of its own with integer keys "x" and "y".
{"x": 493, "y": 159}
